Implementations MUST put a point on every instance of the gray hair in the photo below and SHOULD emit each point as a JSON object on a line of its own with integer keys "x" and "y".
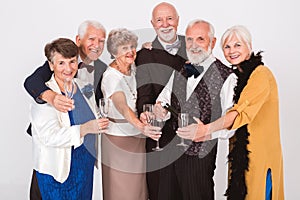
{"x": 84, "y": 25}
{"x": 211, "y": 33}
{"x": 118, "y": 37}
{"x": 241, "y": 32}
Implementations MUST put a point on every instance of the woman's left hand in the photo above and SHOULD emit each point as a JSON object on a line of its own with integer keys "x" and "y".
{"x": 153, "y": 132}
{"x": 144, "y": 117}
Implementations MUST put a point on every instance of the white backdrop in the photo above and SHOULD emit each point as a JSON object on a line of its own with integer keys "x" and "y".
{"x": 28, "y": 25}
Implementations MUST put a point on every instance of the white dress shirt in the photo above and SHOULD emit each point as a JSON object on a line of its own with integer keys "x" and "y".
{"x": 226, "y": 94}
{"x": 84, "y": 75}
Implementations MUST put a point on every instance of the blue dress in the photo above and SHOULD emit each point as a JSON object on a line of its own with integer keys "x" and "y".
{"x": 79, "y": 184}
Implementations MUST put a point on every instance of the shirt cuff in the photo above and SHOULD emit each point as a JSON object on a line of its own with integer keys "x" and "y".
{"x": 223, "y": 134}
{"x": 40, "y": 101}
{"x": 77, "y": 140}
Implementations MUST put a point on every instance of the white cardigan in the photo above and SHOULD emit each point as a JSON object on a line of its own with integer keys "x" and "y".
{"x": 53, "y": 137}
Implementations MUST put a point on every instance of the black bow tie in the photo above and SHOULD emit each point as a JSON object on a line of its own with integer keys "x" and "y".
{"x": 193, "y": 70}
{"x": 89, "y": 68}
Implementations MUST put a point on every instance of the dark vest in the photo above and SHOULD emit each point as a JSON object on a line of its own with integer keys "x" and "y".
{"x": 204, "y": 103}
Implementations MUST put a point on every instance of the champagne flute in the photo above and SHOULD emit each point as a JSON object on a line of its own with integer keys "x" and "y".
{"x": 104, "y": 107}
{"x": 69, "y": 86}
{"x": 183, "y": 120}
{"x": 159, "y": 123}
{"x": 148, "y": 109}
{"x": 102, "y": 110}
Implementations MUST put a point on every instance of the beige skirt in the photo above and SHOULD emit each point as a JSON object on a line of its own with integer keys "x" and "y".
{"x": 123, "y": 167}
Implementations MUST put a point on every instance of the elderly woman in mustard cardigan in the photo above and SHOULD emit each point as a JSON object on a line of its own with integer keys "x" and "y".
{"x": 256, "y": 165}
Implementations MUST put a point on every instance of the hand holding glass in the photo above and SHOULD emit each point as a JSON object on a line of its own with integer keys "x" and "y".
{"x": 148, "y": 109}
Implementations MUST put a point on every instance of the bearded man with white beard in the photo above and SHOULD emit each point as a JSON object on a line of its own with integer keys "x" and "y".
{"x": 204, "y": 89}
{"x": 154, "y": 68}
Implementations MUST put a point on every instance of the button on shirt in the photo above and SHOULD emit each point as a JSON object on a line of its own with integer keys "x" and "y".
{"x": 226, "y": 94}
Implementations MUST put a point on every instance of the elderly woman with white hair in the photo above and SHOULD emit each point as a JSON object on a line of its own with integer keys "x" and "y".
{"x": 123, "y": 150}
{"x": 255, "y": 158}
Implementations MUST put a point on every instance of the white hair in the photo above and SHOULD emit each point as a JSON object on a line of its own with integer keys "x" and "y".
{"x": 84, "y": 25}
{"x": 211, "y": 33}
{"x": 241, "y": 32}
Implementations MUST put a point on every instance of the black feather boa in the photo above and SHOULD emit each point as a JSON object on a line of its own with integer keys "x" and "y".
{"x": 238, "y": 155}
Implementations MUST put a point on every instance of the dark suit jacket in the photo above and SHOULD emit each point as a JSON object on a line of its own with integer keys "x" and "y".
{"x": 35, "y": 83}
{"x": 154, "y": 68}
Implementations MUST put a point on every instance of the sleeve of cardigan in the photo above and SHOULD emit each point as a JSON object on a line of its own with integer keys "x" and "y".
{"x": 253, "y": 96}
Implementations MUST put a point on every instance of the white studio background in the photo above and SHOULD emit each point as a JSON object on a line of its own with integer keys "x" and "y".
{"x": 28, "y": 25}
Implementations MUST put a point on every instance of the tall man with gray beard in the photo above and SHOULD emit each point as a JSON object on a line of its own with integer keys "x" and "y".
{"x": 204, "y": 89}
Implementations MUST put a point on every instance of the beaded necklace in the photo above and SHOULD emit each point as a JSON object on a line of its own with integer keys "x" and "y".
{"x": 130, "y": 89}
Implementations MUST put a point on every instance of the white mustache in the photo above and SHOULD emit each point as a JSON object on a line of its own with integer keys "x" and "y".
{"x": 196, "y": 50}
{"x": 166, "y": 29}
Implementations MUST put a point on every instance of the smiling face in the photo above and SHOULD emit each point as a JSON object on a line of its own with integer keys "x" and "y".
{"x": 165, "y": 22}
{"x": 126, "y": 54}
{"x": 198, "y": 42}
{"x": 91, "y": 44}
{"x": 63, "y": 68}
{"x": 236, "y": 50}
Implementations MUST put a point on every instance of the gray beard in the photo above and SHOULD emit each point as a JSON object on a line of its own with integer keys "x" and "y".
{"x": 167, "y": 37}
{"x": 198, "y": 58}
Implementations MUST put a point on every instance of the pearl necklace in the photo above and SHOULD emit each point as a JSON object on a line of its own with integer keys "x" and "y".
{"x": 130, "y": 89}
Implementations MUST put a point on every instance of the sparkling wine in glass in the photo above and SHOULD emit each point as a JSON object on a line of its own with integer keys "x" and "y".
{"x": 103, "y": 107}
{"x": 148, "y": 109}
{"x": 159, "y": 123}
{"x": 102, "y": 110}
{"x": 183, "y": 120}
{"x": 69, "y": 86}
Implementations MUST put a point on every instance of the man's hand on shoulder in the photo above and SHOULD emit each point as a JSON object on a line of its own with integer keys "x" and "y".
{"x": 147, "y": 45}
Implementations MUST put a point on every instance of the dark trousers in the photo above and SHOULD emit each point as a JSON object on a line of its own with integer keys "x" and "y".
{"x": 34, "y": 188}
{"x": 187, "y": 178}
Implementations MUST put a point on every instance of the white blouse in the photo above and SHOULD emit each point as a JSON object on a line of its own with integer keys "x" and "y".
{"x": 114, "y": 81}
